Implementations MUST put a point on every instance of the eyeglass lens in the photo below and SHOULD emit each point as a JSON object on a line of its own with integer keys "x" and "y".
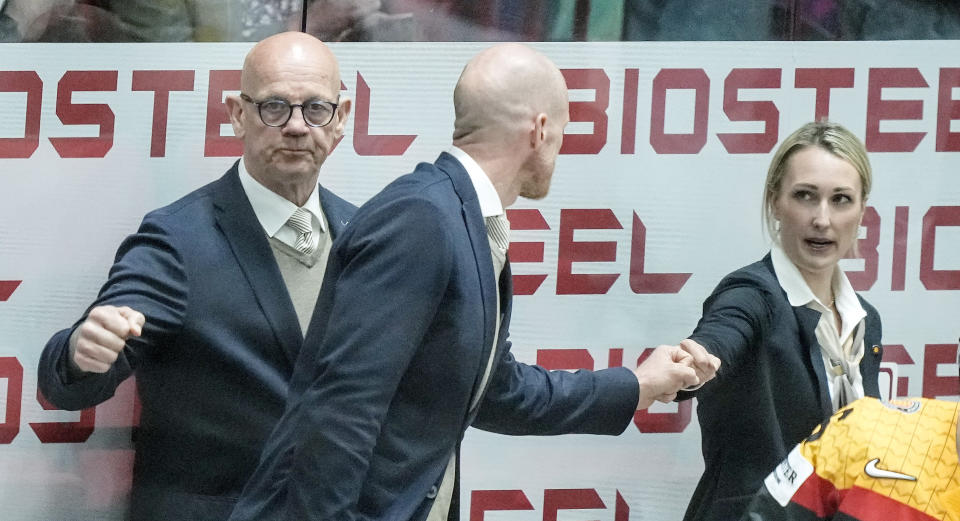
{"x": 277, "y": 112}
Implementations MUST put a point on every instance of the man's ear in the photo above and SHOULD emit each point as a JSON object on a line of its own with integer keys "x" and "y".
{"x": 343, "y": 114}
{"x": 235, "y": 111}
{"x": 539, "y": 133}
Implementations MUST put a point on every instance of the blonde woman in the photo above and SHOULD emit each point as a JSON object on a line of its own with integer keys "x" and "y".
{"x": 796, "y": 342}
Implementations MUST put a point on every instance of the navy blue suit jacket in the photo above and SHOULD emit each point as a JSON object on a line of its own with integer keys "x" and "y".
{"x": 217, "y": 350}
{"x": 771, "y": 390}
{"x": 380, "y": 396}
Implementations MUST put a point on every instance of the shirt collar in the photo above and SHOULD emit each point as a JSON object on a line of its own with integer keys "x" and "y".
{"x": 799, "y": 293}
{"x": 487, "y": 195}
{"x": 271, "y": 209}
{"x": 791, "y": 280}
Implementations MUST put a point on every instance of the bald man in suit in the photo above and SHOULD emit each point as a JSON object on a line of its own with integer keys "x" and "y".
{"x": 414, "y": 348}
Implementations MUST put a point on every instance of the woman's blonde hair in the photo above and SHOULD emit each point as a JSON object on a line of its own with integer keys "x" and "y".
{"x": 833, "y": 138}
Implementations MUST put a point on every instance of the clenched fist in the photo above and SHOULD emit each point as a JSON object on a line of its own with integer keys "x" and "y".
{"x": 670, "y": 369}
{"x": 96, "y": 343}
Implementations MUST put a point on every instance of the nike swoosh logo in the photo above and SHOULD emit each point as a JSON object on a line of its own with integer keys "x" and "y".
{"x": 874, "y": 472}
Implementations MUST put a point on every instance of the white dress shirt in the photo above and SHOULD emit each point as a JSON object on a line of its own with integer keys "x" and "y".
{"x": 273, "y": 210}
{"x": 490, "y": 204}
{"x": 841, "y": 351}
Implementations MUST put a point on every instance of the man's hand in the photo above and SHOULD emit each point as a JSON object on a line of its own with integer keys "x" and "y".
{"x": 670, "y": 369}
{"x": 96, "y": 343}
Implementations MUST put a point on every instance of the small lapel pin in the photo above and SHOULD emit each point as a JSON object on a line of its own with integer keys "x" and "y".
{"x": 876, "y": 350}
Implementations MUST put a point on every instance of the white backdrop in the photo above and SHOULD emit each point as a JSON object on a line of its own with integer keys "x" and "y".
{"x": 657, "y": 182}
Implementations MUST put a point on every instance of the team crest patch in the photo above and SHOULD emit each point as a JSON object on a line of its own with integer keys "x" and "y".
{"x": 904, "y": 406}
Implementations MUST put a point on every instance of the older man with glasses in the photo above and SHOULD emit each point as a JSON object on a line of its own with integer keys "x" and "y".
{"x": 209, "y": 301}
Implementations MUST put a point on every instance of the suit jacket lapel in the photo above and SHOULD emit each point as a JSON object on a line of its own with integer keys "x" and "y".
{"x": 872, "y": 354}
{"x": 807, "y": 320}
{"x": 477, "y": 232}
{"x": 252, "y": 249}
{"x": 337, "y": 211}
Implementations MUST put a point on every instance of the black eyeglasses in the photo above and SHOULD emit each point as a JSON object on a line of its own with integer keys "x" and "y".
{"x": 276, "y": 112}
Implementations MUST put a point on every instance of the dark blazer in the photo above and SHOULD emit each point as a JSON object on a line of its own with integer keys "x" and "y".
{"x": 216, "y": 354}
{"x": 380, "y": 395}
{"x": 771, "y": 390}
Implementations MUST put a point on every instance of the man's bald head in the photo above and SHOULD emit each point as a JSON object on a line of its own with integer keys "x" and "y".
{"x": 287, "y": 55}
{"x": 298, "y": 70}
{"x": 502, "y": 89}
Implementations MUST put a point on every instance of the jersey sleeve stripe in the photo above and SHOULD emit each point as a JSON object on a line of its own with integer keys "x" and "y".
{"x": 866, "y": 505}
{"x": 817, "y": 495}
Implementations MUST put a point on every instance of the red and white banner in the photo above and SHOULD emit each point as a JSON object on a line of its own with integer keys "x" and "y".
{"x": 655, "y": 198}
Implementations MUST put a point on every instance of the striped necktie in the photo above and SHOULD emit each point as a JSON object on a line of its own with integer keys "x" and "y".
{"x": 302, "y": 223}
{"x": 498, "y": 229}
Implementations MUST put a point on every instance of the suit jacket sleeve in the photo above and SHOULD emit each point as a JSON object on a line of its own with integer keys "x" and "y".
{"x": 528, "y": 399}
{"x": 392, "y": 267}
{"x": 148, "y": 276}
{"x": 734, "y": 318}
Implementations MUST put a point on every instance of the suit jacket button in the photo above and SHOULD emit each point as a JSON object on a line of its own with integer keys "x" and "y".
{"x": 432, "y": 493}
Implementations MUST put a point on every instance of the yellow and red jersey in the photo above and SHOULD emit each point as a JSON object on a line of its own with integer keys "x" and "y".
{"x": 872, "y": 461}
